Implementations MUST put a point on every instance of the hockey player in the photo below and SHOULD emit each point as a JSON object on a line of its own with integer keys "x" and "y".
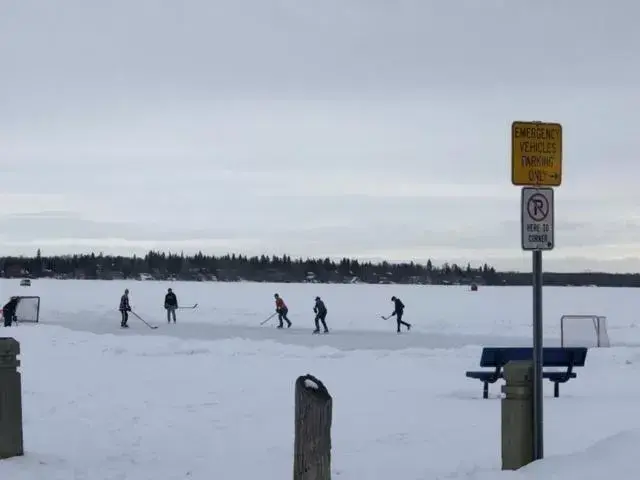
{"x": 9, "y": 311}
{"x": 398, "y": 312}
{"x": 320, "y": 309}
{"x": 282, "y": 310}
{"x": 170, "y": 304}
{"x": 125, "y": 308}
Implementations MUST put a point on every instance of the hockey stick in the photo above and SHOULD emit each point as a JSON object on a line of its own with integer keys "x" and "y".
{"x": 188, "y": 308}
{"x": 152, "y": 327}
{"x": 269, "y": 318}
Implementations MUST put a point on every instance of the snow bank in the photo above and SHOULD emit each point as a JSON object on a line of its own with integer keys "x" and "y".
{"x": 150, "y": 406}
{"x": 143, "y": 406}
{"x": 612, "y": 458}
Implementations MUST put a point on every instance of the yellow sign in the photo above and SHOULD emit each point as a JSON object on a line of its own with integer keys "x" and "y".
{"x": 536, "y": 154}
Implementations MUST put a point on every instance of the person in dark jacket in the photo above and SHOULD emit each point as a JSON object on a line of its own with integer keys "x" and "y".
{"x": 320, "y": 309}
{"x": 9, "y": 311}
{"x": 170, "y": 304}
{"x": 125, "y": 308}
{"x": 282, "y": 310}
{"x": 398, "y": 312}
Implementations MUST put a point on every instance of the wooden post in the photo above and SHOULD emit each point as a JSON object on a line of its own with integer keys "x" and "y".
{"x": 10, "y": 399}
{"x": 312, "y": 444}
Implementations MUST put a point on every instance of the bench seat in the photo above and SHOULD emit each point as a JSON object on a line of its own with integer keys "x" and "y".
{"x": 552, "y": 357}
{"x": 485, "y": 376}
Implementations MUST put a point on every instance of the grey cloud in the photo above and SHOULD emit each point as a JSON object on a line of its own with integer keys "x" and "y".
{"x": 16, "y": 228}
{"x": 627, "y": 264}
{"x": 359, "y": 127}
{"x": 600, "y": 233}
{"x": 285, "y": 45}
{"x": 334, "y": 224}
{"x": 330, "y": 224}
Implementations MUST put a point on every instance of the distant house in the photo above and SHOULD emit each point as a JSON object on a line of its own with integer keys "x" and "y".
{"x": 14, "y": 271}
{"x": 46, "y": 273}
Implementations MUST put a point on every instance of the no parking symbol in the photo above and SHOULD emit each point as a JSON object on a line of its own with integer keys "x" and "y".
{"x": 538, "y": 207}
{"x": 537, "y": 218}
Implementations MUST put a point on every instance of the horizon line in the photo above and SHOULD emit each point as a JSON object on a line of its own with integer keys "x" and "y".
{"x": 298, "y": 258}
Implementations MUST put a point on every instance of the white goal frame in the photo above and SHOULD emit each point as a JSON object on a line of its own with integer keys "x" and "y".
{"x": 37, "y": 320}
{"x": 599, "y": 325}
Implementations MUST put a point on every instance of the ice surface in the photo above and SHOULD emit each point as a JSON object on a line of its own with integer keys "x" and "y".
{"x": 212, "y": 397}
{"x": 442, "y": 317}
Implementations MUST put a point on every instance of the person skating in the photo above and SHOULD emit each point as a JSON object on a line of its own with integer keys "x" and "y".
{"x": 171, "y": 304}
{"x": 124, "y": 308}
{"x": 9, "y": 311}
{"x": 282, "y": 310}
{"x": 398, "y": 312}
{"x": 320, "y": 309}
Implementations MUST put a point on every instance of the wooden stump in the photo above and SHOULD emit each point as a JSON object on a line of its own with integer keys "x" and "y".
{"x": 312, "y": 444}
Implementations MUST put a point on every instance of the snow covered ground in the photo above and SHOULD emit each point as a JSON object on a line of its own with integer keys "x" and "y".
{"x": 212, "y": 397}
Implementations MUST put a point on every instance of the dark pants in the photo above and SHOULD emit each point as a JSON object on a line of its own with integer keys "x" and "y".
{"x": 171, "y": 312}
{"x": 400, "y": 322}
{"x": 125, "y": 318}
{"x": 8, "y": 318}
{"x": 282, "y": 315}
{"x": 320, "y": 317}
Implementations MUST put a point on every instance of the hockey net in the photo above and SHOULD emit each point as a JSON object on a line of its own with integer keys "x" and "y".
{"x": 584, "y": 331}
{"x": 28, "y": 309}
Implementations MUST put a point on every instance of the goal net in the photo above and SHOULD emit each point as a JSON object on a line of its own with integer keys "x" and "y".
{"x": 28, "y": 309}
{"x": 584, "y": 331}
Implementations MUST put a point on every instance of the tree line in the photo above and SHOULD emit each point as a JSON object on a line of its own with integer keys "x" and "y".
{"x": 157, "y": 265}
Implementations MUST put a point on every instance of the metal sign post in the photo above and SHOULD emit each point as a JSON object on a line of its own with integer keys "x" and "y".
{"x": 537, "y": 235}
{"x": 538, "y": 392}
{"x": 536, "y": 164}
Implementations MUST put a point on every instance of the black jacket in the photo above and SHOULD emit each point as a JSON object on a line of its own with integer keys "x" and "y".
{"x": 9, "y": 309}
{"x": 170, "y": 300}
{"x": 124, "y": 304}
{"x": 399, "y": 307}
{"x": 320, "y": 308}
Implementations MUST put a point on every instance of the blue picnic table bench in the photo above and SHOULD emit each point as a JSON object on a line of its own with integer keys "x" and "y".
{"x": 553, "y": 357}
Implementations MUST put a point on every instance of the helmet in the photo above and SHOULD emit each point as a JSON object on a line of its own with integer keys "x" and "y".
{"x": 169, "y": 290}
{"x": 317, "y": 298}
{"x": 275, "y": 295}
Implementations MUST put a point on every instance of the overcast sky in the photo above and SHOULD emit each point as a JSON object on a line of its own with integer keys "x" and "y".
{"x": 365, "y": 128}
